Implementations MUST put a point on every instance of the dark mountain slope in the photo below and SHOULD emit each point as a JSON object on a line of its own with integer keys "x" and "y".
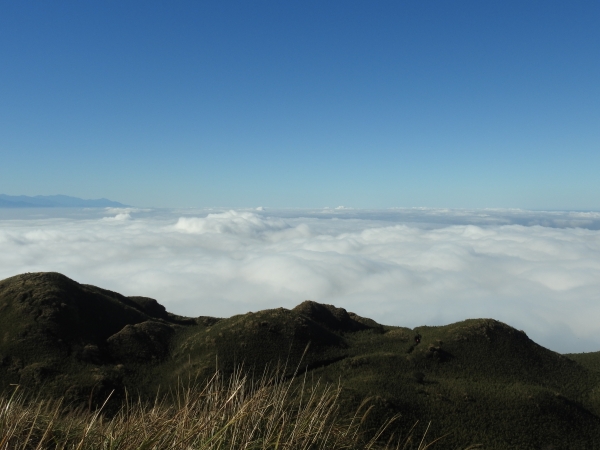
{"x": 254, "y": 340}
{"x": 335, "y": 319}
{"x": 56, "y": 332}
{"x": 590, "y": 360}
{"x": 479, "y": 381}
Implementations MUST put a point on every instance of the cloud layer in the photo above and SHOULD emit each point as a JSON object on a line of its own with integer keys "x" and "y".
{"x": 537, "y": 271}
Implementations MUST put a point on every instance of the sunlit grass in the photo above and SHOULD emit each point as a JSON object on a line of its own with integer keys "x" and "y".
{"x": 234, "y": 412}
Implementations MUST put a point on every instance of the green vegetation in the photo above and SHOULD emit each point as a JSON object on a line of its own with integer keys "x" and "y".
{"x": 223, "y": 413}
{"x": 478, "y": 382}
{"x": 589, "y": 360}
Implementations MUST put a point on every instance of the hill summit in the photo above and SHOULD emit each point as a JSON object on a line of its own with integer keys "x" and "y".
{"x": 480, "y": 381}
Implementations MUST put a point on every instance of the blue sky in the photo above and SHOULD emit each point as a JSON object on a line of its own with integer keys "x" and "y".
{"x": 303, "y": 104}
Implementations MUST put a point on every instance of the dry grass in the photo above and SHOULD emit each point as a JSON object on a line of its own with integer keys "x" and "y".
{"x": 224, "y": 413}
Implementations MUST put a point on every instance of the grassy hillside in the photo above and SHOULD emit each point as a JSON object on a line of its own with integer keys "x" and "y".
{"x": 478, "y": 381}
{"x": 589, "y": 360}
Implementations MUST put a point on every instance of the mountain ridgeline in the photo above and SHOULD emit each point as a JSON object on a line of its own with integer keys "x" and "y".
{"x": 55, "y": 201}
{"x": 477, "y": 382}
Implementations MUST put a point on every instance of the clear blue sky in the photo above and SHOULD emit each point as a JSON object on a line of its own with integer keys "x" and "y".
{"x": 303, "y": 104}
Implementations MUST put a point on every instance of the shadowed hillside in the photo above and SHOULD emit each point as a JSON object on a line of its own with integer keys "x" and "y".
{"x": 478, "y": 381}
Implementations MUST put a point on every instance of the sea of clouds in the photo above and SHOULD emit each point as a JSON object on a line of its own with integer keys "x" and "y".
{"x": 536, "y": 271}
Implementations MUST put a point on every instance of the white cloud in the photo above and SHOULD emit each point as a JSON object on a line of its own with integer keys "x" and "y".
{"x": 120, "y": 216}
{"x": 401, "y": 267}
{"x": 231, "y": 222}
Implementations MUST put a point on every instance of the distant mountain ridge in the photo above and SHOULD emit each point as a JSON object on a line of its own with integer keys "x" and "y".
{"x": 55, "y": 201}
